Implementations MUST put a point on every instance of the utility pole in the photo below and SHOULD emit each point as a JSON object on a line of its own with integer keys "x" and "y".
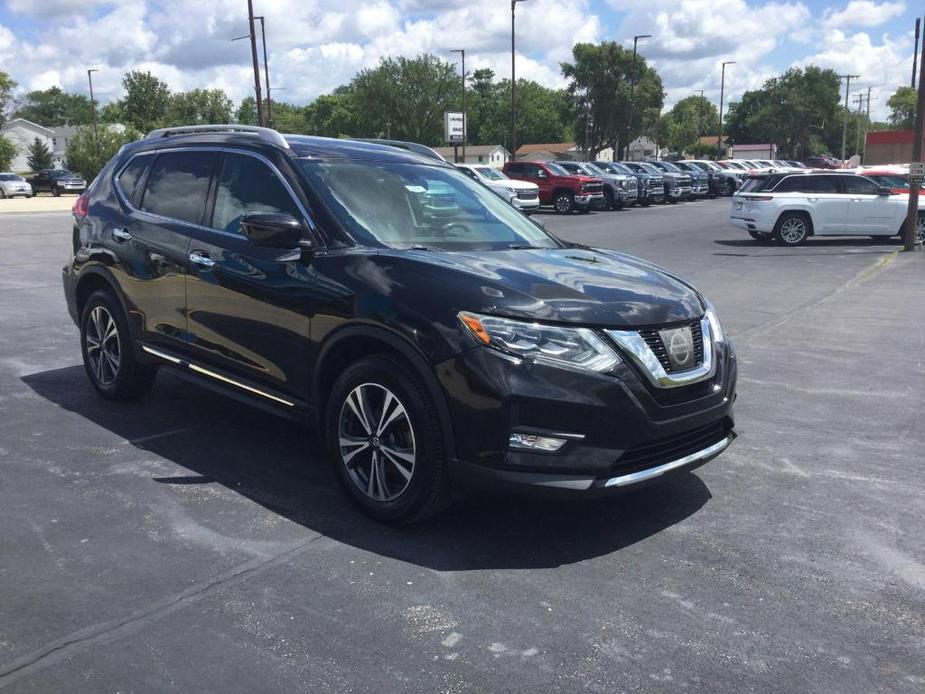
{"x": 513, "y": 88}
{"x": 859, "y": 98}
{"x": 250, "y": 19}
{"x": 266, "y": 72}
{"x": 700, "y": 119}
{"x": 462, "y": 52}
{"x": 913, "y": 211}
{"x": 722, "y": 90}
{"x": 844, "y": 130}
{"x": 629, "y": 120}
{"x": 915, "y": 53}
{"x": 96, "y": 136}
{"x": 866, "y": 126}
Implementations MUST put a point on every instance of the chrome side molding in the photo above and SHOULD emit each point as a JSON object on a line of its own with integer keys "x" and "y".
{"x": 642, "y": 475}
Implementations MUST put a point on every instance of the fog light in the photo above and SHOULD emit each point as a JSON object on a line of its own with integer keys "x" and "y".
{"x": 532, "y": 442}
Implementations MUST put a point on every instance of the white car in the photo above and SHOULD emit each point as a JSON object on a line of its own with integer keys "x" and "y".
{"x": 790, "y": 207}
{"x": 12, "y": 185}
{"x": 523, "y": 195}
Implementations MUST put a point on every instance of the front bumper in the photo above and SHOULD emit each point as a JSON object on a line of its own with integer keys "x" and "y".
{"x": 526, "y": 204}
{"x": 620, "y": 429}
{"x": 589, "y": 199}
{"x": 13, "y": 191}
{"x": 678, "y": 192}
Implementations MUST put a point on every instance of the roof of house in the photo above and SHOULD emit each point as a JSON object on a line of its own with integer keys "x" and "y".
{"x": 552, "y": 147}
{"x": 709, "y": 140}
{"x": 14, "y": 121}
{"x": 755, "y": 147}
{"x": 470, "y": 149}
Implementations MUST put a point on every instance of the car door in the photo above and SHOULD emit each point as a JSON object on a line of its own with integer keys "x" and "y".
{"x": 869, "y": 212}
{"x": 538, "y": 175}
{"x": 248, "y": 306}
{"x": 824, "y": 199}
{"x": 166, "y": 195}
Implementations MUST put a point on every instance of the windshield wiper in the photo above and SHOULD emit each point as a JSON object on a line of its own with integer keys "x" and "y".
{"x": 419, "y": 247}
{"x": 521, "y": 247}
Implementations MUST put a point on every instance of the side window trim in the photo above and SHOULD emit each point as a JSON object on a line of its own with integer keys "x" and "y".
{"x": 132, "y": 202}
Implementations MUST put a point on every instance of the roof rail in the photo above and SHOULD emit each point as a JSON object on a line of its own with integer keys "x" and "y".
{"x": 267, "y": 134}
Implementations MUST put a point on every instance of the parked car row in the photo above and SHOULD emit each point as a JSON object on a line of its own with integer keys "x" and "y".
{"x": 791, "y": 206}
{"x": 54, "y": 181}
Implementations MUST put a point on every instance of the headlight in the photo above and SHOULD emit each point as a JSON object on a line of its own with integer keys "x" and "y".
{"x": 716, "y": 328}
{"x": 576, "y": 348}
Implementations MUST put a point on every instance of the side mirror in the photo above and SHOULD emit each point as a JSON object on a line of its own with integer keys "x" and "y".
{"x": 541, "y": 174}
{"x": 884, "y": 190}
{"x": 272, "y": 229}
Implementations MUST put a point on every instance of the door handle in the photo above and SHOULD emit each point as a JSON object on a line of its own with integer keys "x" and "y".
{"x": 201, "y": 259}
{"x": 121, "y": 234}
{"x": 812, "y": 199}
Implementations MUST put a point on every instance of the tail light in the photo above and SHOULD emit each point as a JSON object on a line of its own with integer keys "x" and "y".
{"x": 80, "y": 206}
{"x": 759, "y": 198}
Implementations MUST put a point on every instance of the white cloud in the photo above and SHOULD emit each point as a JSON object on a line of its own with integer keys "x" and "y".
{"x": 863, "y": 13}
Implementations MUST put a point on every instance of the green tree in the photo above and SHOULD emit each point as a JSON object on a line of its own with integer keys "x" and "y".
{"x": 247, "y": 111}
{"x": 7, "y": 152}
{"x": 331, "y": 115}
{"x": 405, "y": 98}
{"x": 7, "y": 85}
{"x": 600, "y": 78}
{"x": 54, "y": 107}
{"x": 288, "y": 118}
{"x": 39, "y": 156}
{"x": 199, "y": 107}
{"x": 902, "y": 108}
{"x": 686, "y": 122}
{"x": 81, "y": 153}
{"x": 147, "y": 100}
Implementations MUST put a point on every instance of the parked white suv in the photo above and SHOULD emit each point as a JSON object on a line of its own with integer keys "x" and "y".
{"x": 521, "y": 194}
{"x": 789, "y": 207}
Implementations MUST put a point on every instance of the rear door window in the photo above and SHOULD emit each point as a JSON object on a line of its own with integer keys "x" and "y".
{"x": 248, "y": 185}
{"x": 178, "y": 184}
{"x": 792, "y": 184}
{"x": 131, "y": 177}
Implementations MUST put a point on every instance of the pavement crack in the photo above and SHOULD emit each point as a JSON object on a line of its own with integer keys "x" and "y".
{"x": 102, "y": 633}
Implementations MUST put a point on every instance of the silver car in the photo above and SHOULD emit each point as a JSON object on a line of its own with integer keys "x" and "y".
{"x": 12, "y": 185}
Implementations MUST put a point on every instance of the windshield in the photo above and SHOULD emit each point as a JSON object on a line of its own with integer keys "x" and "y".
{"x": 59, "y": 173}
{"x": 9, "y": 177}
{"x": 556, "y": 169}
{"x": 491, "y": 174}
{"x": 617, "y": 168}
{"x": 404, "y": 206}
{"x": 668, "y": 166}
{"x": 593, "y": 169}
{"x": 649, "y": 168}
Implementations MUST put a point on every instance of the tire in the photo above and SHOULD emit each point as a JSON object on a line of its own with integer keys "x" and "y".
{"x": 2, "y": 194}
{"x": 56, "y": 191}
{"x": 645, "y": 202}
{"x": 755, "y": 235}
{"x": 730, "y": 187}
{"x": 919, "y": 229}
{"x": 372, "y": 461}
{"x": 792, "y": 229}
{"x": 610, "y": 201}
{"x": 564, "y": 203}
{"x": 110, "y": 362}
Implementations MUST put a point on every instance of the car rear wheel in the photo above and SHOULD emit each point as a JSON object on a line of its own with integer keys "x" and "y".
{"x": 385, "y": 441}
{"x": 564, "y": 203}
{"x": 56, "y": 191}
{"x": 791, "y": 229}
{"x": 730, "y": 187}
{"x": 919, "y": 229}
{"x": 108, "y": 351}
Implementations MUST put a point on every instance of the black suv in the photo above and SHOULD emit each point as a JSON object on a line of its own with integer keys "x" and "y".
{"x": 433, "y": 333}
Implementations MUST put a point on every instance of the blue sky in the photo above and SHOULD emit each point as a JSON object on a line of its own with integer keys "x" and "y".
{"x": 317, "y": 44}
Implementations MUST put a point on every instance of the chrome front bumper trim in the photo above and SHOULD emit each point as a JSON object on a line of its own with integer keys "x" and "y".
{"x": 643, "y": 475}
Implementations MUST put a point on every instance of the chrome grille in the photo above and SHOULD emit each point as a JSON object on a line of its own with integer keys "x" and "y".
{"x": 654, "y": 341}
{"x": 526, "y": 194}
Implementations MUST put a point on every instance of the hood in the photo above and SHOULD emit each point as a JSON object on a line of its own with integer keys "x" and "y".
{"x": 564, "y": 285}
{"x": 518, "y": 185}
{"x": 582, "y": 178}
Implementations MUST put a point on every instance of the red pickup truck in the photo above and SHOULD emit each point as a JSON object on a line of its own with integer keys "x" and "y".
{"x": 564, "y": 191}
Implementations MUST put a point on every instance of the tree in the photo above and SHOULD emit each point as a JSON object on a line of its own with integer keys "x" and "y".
{"x": 331, "y": 115}
{"x": 247, "y": 111}
{"x": 7, "y": 152}
{"x": 7, "y": 85}
{"x": 902, "y": 108}
{"x": 146, "y": 102}
{"x": 799, "y": 111}
{"x": 39, "y": 155}
{"x": 54, "y": 107}
{"x": 199, "y": 107}
{"x": 81, "y": 153}
{"x": 600, "y": 78}
{"x": 689, "y": 119}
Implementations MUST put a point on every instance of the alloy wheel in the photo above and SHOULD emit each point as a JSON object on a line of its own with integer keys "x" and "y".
{"x": 920, "y": 228}
{"x": 104, "y": 349}
{"x": 376, "y": 442}
{"x": 793, "y": 230}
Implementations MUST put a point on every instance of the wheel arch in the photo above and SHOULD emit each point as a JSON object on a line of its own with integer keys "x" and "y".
{"x": 356, "y": 341}
{"x": 811, "y": 230}
{"x": 93, "y": 279}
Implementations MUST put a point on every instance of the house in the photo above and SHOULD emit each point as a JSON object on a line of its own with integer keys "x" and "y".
{"x": 493, "y": 155}
{"x": 756, "y": 151}
{"x": 22, "y": 133}
{"x": 642, "y": 149}
{"x": 553, "y": 151}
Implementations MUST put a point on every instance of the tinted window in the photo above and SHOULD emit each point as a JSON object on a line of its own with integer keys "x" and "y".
{"x": 248, "y": 185}
{"x": 821, "y": 184}
{"x": 131, "y": 176}
{"x": 178, "y": 184}
{"x": 515, "y": 168}
{"x": 860, "y": 185}
{"x": 791, "y": 184}
{"x": 754, "y": 184}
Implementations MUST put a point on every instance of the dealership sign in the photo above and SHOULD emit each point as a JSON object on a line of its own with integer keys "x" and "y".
{"x": 454, "y": 127}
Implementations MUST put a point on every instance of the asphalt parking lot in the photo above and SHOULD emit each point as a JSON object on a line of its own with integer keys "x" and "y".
{"x": 190, "y": 543}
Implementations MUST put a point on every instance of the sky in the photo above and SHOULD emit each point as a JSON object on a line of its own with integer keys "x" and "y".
{"x": 316, "y": 45}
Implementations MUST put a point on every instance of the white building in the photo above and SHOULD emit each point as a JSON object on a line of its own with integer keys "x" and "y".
{"x": 493, "y": 155}
{"x": 22, "y": 134}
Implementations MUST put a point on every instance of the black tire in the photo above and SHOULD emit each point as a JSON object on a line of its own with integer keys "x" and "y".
{"x": 56, "y": 191}
{"x": 2, "y": 194}
{"x": 919, "y": 230}
{"x": 730, "y": 187}
{"x": 755, "y": 235}
{"x": 427, "y": 490}
{"x": 564, "y": 203}
{"x": 792, "y": 228}
{"x": 645, "y": 202}
{"x": 129, "y": 379}
{"x": 610, "y": 202}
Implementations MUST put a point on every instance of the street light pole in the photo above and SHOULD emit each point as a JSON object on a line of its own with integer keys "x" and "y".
{"x": 722, "y": 94}
{"x": 629, "y": 120}
{"x": 513, "y": 88}
{"x": 266, "y": 72}
{"x": 844, "y": 129}
{"x": 96, "y": 136}
{"x": 462, "y": 52}
{"x": 253, "y": 36}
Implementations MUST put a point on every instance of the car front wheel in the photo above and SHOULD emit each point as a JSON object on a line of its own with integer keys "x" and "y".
{"x": 564, "y": 203}
{"x": 385, "y": 441}
{"x": 792, "y": 229}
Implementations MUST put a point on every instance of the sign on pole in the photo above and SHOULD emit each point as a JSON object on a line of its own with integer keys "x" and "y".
{"x": 454, "y": 127}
